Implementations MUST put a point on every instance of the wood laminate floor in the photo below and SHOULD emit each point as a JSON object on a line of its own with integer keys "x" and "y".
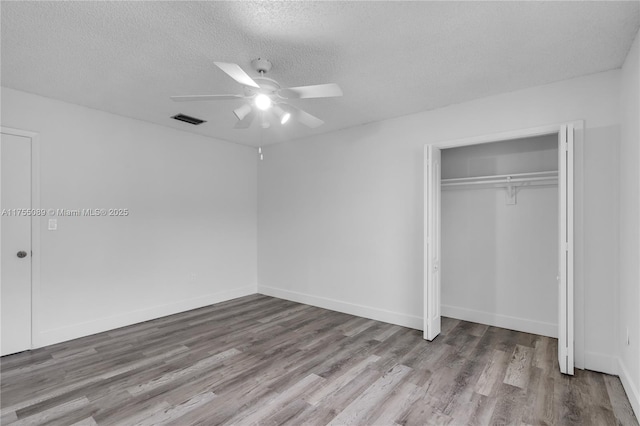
{"x": 261, "y": 360}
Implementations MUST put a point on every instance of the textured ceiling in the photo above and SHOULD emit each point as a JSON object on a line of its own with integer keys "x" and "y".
{"x": 390, "y": 58}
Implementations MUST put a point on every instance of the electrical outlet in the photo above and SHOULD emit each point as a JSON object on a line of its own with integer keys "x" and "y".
{"x": 193, "y": 277}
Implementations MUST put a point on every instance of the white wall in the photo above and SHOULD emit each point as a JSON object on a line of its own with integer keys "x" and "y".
{"x": 190, "y": 238}
{"x": 340, "y": 216}
{"x": 499, "y": 260}
{"x": 629, "y": 302}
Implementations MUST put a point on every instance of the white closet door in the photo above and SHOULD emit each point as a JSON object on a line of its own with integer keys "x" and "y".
{"x": 565, "y": 277}
{"x": 432, "y": 243}
{"x": 15, "y": 245}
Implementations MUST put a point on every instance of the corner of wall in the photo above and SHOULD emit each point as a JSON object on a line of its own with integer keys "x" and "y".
{"x": 628, "y": 321}
{"x": 99, "y": 325}
{"x": 391, "y": 317}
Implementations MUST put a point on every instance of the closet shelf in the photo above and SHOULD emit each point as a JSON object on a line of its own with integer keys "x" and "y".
{"x": 547, "y": 178}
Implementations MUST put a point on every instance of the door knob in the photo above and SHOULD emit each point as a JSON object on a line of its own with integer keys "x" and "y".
{"x": 22, "y": 254}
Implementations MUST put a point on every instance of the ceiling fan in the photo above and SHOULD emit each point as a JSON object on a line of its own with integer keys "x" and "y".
{"x": 264, "y": 95}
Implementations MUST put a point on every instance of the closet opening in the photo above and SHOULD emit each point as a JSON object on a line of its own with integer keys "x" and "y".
{"x": 499, "y": 233}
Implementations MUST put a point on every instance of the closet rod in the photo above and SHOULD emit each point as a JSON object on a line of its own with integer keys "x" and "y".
{"x": 503, "y": 179}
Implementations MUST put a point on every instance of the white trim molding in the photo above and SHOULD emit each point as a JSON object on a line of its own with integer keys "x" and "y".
{"x": 404, "y": 320}
{"x": 503, "y": 321}
{"x": 629, "y": 387}
{"x": 503, "y": 136}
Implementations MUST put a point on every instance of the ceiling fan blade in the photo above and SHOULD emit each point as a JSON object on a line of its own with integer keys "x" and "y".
{"x": 246, "y": 121}
{"x": 305, "y": 118}
{"x": 234, "y": 71}
{"x": 189, "y": 98}
{"x": 318, "y": 91}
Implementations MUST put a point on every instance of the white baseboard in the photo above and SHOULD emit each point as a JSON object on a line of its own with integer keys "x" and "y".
{"x": 602, "y": 363}
{"x": 629, "y": 387}
{"x": 62, "y": 334}
{"x": 346, "y": 307}
{"x": 503, "y": 321}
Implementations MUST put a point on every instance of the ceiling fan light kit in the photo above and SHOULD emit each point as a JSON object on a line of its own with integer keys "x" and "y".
{"x": 242, "y": 112}
{"x": 265, "y": 94}
{"x": 282, "y": 115}
{"x": 262, "y": 102}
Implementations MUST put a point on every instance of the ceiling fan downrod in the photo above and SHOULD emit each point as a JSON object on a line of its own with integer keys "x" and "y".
{"x": 262, "y": 66}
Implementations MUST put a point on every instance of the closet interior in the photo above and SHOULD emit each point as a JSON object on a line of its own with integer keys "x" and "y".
{"x": 499, "y": 224}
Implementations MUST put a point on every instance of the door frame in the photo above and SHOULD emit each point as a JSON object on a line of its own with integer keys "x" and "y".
{"x": 578, "y": 125}
{"x": 35, "y": 220}
{"x": 432, "y": 242}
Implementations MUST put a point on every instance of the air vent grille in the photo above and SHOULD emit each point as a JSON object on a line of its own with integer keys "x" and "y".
{"x": 188, "y": 119}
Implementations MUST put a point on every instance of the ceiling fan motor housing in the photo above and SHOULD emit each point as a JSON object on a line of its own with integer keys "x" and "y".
{"x": 267, "y": 85}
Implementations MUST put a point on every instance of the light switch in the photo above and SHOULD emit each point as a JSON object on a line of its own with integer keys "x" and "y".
{"x": 53, "y": 224}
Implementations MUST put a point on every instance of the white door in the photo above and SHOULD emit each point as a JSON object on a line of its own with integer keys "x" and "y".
{"x": 15, "y": 250}
{"x": 565, "y": 243}
{"x": 432, "y": 243}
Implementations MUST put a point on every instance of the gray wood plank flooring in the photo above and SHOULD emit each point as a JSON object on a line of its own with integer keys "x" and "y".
{"x": 262, "y": 360}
